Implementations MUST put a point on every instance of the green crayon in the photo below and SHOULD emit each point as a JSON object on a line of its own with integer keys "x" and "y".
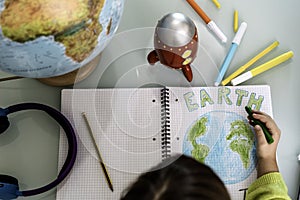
{"x": 262, "y": 125}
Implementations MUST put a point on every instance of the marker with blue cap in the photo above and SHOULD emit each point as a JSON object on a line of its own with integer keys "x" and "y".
{"x": 235, "y": 43}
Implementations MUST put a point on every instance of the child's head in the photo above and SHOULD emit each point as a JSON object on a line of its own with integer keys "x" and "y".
{"x": 179, "y": 178}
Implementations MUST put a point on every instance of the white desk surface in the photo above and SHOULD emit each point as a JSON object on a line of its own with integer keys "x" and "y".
{"x": 29, "y": 149}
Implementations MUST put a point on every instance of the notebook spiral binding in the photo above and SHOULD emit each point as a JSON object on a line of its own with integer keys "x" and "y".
{"x": 165, "y": 123}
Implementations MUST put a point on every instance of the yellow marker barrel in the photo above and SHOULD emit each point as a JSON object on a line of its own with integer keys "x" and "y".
{"x": 272, "y": 63}
{"x": 250, "y": 62}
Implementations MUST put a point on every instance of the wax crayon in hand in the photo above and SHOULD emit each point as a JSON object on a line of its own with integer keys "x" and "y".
{"x": 262, "y": 125}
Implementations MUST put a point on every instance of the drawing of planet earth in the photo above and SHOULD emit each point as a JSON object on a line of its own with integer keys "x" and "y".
{"x": 46, "y": 38}
{"x": 224, "y": 141}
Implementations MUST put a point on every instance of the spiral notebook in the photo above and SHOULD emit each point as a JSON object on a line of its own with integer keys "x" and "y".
{"x": 137, "y": 128}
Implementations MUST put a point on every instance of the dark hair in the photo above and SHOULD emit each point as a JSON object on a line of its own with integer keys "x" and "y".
{"x": 179, "y": 177}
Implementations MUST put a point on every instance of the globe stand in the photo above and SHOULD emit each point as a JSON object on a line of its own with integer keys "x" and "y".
{"x": 74, "y": 76}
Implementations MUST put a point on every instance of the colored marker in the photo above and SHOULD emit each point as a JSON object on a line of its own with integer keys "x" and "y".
{"x": 210, "y": 24}
{"x": 235, "y": 21}
{"x": 262, "y": 125}
{"x": 235, "y": 43}
{"x": 249, "y": 63}
{"x": 262, "y": 68}
{"x": 217, "y": 4}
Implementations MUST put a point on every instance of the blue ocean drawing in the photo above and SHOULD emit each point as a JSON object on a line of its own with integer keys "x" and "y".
{"x": 229, "y": 141}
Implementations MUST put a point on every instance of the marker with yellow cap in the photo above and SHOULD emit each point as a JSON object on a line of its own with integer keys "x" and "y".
{"x": 249, "y": 63}
{"x": 262, "y": 68}
{"x": 217, "y": 4}
{"x": 235, "y": 21}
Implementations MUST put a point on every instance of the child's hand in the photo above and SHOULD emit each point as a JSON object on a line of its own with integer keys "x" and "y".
{"x": 266, "y": 153}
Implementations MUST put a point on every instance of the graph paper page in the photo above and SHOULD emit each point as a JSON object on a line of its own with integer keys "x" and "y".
{"x": 210, "y": 124}
{"x": 126, "y": 126}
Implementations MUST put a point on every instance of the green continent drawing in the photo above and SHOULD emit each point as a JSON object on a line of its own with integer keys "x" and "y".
{"x": 242, "y": 140}
{"x": 200, "y": 151}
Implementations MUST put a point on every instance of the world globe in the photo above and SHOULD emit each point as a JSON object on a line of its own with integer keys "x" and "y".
{"x": 224, "y": 141}
{"x": 47, "y": 38}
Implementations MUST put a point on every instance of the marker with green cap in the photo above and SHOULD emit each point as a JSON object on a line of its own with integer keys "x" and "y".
{"x": 262, "y": 125}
